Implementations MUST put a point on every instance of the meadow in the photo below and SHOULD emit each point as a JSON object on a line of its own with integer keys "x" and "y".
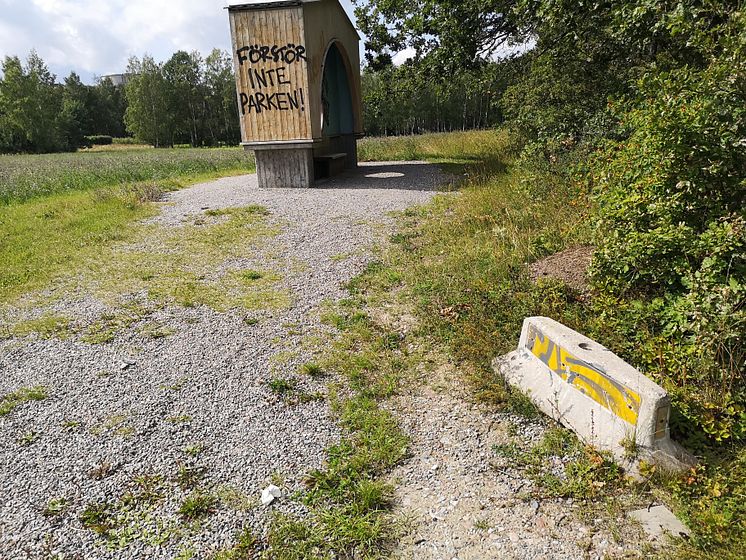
{"x": 23, "y": 177}
{"x": 56, "y": 209}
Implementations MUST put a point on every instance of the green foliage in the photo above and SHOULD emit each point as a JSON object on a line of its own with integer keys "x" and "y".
{"x": 99, "y": 140}
{"x": 349, "y": 500}
{"x": 39, "y": 115}
{"x": 312, "y": 369}
{"x": 586, "y": 473}
{"x": 245, "y": 548}
{"x": 98, "y": 517}
{"x": 282, "y": 387}
{"x": 55, "y": 507}
{"x": 672, "y": 234}
{"x": 452, "y": 34}
{"x": 461, "y": 262}
{"x": 187, "y": 99}
{"x": 408, "y": 99}
{"x": 197, "y": 505}
{"x": 711, "y": 497}
{"x": 26, "y": 177}
{"x": 449, "y": 148}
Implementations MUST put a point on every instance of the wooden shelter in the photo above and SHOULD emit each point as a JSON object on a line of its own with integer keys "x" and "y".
{"x": 297, "y": 68}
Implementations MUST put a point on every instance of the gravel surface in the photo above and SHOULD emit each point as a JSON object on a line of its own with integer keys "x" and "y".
{"x": 465, "y": 502}
{"x": 142, "y": 422}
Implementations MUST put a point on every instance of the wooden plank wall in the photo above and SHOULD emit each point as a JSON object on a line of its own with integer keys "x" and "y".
{"x": 271, "y": 74}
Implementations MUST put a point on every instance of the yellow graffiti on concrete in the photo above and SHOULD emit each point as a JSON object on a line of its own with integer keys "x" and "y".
{"x": 587, "y": 378}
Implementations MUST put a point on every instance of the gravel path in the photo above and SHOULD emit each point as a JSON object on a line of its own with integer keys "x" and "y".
{"x": 464, "y": 502}
{"x": 142, "y": 422}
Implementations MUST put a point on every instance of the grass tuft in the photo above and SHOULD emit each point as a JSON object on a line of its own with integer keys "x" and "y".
{"x": 13, "y": 400}
{"x": 197, "y": 506}
{"x": 312, "y": 369}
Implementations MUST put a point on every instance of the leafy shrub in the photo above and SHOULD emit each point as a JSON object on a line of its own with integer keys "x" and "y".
{"x": 672, "y": 233}
{"x": 128, "y": 141}
{"x": 98, "y": 140}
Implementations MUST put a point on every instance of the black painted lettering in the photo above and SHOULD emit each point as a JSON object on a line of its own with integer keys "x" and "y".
{"x": 282, "y": 102}
{"x": 271, "y": 77}
{"x": 293, "y": 100}
{"x": 241, "y": 57}
{"x": 281, "y": 79}
{"x": 252, "y": 103}
{"x": 260, "y": 99}
{"x": 261, "y": 79}
{"x": 244, "y": 103}
{"x": 271, "y": 102}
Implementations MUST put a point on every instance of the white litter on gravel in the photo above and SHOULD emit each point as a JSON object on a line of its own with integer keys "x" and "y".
{"x": 195, "y": 400}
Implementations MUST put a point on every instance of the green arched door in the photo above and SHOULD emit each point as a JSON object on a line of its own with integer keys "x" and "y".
{"x": 336, "y": 97}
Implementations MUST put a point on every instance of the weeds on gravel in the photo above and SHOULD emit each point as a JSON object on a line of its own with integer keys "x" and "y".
{"x": 235, "y": 499}
{"x": 194, "y": 449}
{"x": 105, "y": 329}
{"x": 563, "y": 467}
{"x": 13, "y": 400}
{"x": 184, "y": 265}
{"x": 282, "y": 387}
{"x": 312, "y": 369}
{"x": 55, "y": 507}
{"x": 48, "y": 326}
{"x": 98, "y": 517}
{"x": 348, "y": 500}
{"x": 27, "y": 439}
{"x": 246, "y": 547}
{"x": 197, "y": 506}
{"x": 93, "y": 237}
{"x": 189, "y": 478}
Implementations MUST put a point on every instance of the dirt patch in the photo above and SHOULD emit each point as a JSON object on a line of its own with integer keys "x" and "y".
{"x": 570, "y": 266}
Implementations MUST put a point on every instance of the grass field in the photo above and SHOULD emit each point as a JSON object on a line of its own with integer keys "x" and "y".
{"x": 57, "y": 209}
{"x": 23, "y": 177}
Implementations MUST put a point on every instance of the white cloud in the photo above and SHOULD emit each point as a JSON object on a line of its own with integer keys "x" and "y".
{"x": 401, "y": 57}
{"x": 95, "y": 37}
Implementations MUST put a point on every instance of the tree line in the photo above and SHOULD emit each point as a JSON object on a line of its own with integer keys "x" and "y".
{"x": 405, "y": 99}
{"x": 186, "y": 100}
{"x": 192, "y": 100}
{"x": 37, "y": 114}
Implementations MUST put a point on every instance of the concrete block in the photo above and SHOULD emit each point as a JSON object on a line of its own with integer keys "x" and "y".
{"x": 592, "y": 391}
{"x": 659, "y": 522}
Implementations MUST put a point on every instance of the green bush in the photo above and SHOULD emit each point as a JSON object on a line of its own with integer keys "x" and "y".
{"x": 128, "y": 141}
{"x": 672, "y": 233}
{"x": 98, "y": 140}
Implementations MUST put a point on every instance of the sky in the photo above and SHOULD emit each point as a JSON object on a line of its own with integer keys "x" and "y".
{"x": 97, "y": 37}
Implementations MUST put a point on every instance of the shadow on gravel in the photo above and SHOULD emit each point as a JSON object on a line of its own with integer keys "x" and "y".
{"x": 409, "y": 175}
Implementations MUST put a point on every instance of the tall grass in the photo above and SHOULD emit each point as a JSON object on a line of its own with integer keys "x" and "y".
{"x": 456, "y": 146}
{"x": 23, "y": 177}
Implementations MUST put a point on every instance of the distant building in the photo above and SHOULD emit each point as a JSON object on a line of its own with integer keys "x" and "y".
{"x": 118, "y": 80}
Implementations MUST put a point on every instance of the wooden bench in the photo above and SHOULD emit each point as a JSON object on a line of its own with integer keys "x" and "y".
{"x": 329, "y": 165}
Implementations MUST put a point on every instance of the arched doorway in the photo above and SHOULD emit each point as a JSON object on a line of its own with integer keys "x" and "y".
{"x": 337, "y": 118}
